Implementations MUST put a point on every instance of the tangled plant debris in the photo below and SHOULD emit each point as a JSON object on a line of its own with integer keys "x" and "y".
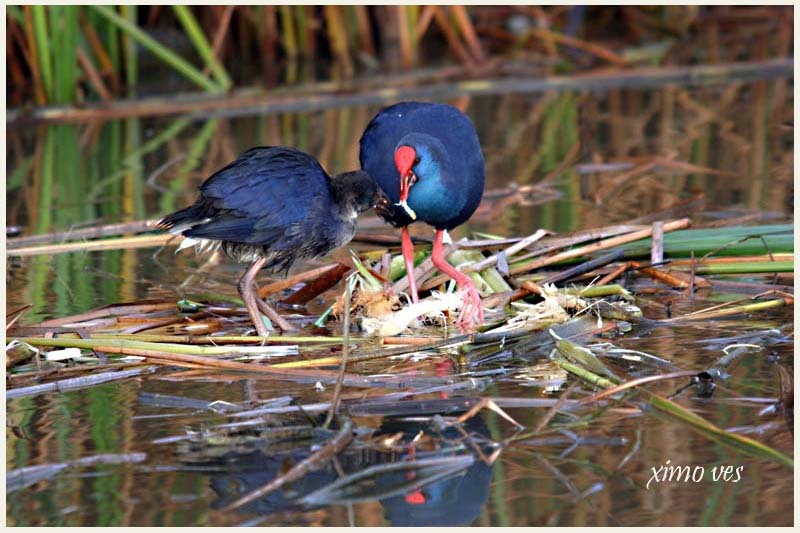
{"x": 532, "y": 336}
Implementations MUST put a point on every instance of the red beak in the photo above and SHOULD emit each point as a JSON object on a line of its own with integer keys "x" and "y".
{"x": 404, "y": 159}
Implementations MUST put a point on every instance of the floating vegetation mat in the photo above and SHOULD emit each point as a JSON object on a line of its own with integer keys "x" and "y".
{"x": 393, "y": 393}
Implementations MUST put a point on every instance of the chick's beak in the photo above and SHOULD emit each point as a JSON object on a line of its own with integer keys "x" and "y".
{"x": 404, "y": 159}
{"x": 380, "y": 198}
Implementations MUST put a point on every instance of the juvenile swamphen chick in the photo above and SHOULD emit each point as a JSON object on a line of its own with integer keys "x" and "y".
{"x": 428, "y": 160}
{"x": 270, "y": 207}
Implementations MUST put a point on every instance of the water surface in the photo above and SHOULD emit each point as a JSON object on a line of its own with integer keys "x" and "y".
{"x": 720, "y": 154}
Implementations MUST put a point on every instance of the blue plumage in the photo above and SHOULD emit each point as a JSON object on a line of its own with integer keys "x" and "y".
{"x": 450, "y": 172}
{"x": 428, "y": 160}
{"x": 277, "y": 203}
{"x": 272, "y": 206}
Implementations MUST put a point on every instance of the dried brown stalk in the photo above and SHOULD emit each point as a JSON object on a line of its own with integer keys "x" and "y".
{"x": 679, "y": 280}
{"x": 591, "y": 48}
{"x": 317, "y": 286}
{"x": 93, "y": 76}
{"x": 110, "y": 311}
{"x": 291, "y": 281}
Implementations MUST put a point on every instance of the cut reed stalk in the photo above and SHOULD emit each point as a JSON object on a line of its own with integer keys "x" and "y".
{"x": 735, "y": 310}
{"x": 102, "y": 344}
{"x": 745, "y": 267}
{"x": 280, "y": 285}
{"x": 586, "y": 375}
{"x": 337, "y": 391}
{"x": 602, "y": 245}
{"x": 121, "y": 243}
{"x": 741, "y": 442}
{"x": 223, "y": 339}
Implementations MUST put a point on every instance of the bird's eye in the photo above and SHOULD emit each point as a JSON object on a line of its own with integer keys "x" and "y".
{"x": 416, "y": 160}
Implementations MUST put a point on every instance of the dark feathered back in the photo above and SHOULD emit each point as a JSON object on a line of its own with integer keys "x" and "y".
{"x": 272, "y": 202}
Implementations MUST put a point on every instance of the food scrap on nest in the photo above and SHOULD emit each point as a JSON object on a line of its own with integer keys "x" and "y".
{"x": 415, "y": 315}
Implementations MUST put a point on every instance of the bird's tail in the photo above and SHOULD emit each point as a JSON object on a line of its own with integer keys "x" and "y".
{"x": 179, "y": 221}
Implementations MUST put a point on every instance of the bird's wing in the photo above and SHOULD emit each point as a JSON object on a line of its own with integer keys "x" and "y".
{"x": 263, "y": 196}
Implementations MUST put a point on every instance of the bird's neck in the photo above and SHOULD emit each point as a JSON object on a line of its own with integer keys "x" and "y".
{"x": 344, "y": 199}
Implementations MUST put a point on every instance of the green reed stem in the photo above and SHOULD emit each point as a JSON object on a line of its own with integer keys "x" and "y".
{"x": 17, "y": 176}
{"x": 46, "y": 183}
{"x": 202, "y": 45}
{"x": 287, "y": 30}
{"x": 164, "y": 53}
{"x": 190, "y": 349}
{"x": 754, "y": 267}
{"x": 64, "y": 29}
{"x": 129, "y": 50}
{"x": 586, "y": 375}
{"x": 39, "y": 16}
{"x": 15, "y": 13}
{"x": 303, "y": 43}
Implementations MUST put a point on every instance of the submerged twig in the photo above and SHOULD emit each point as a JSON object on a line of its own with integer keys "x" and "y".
{"x": 554, "y": 409}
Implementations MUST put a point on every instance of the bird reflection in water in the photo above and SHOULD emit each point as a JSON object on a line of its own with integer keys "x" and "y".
{"x": 454, "y": 500}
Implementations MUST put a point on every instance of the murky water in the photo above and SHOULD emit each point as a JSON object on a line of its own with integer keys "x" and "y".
{"x": 723, "y": 153}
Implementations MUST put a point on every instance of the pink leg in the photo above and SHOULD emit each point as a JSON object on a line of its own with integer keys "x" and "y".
{"x": 408, "y": 256}
{"x": 247, "y": 292}
{"x": 472, "y": 310}
{"x": 253, "y": 303}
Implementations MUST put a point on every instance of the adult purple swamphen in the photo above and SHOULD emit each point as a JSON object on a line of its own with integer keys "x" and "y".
{"x": 427, "y": 159}
{"x": 270, "y": 207}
